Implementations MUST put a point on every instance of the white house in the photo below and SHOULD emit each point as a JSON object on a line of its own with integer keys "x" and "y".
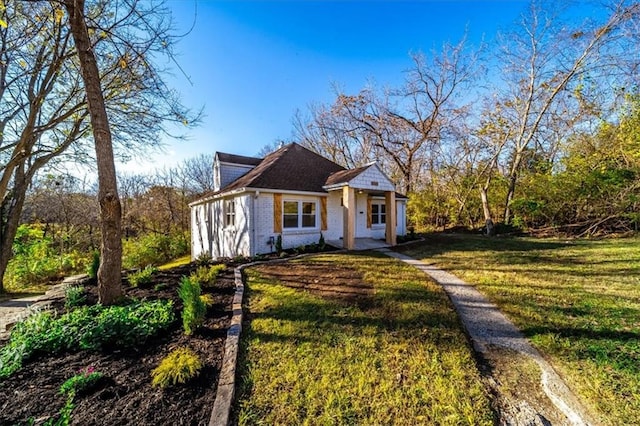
{"x": 296, "y": 194}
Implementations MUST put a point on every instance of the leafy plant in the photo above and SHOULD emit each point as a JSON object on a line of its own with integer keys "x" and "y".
{"x": 193, "y": 309}
{"x": 207, "y": 275}
{"x": 180, "y": 366}
{"x": 203, "y": 259}
{"x": 84, "y": 328}
{"x": 81, "y": 382}
{"x": 74, "y": 296}
{"x": 142, "y": 277}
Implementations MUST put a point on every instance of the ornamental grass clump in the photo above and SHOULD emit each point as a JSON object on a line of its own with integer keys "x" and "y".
{"x": 180, "y": 366}
{"x": 194, "y": 308}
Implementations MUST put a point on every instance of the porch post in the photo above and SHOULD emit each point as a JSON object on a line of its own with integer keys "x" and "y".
{"x": 349, "y": 218}
{"x": 390, "y": 207}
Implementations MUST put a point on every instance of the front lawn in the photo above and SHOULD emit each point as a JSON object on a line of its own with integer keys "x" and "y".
{"x": 578, "y": 301}
{"x": 354, "y": 339}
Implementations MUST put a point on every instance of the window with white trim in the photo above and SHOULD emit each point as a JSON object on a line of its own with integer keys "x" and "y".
{"x": 229, "y": 212}
{"x": 378, "y": 214}
{"x": 299, "y": 214}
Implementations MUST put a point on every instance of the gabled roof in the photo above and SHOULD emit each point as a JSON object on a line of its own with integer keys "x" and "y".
{"x": 345, "y": 176}
{"x": 290, "y": 168}
{"x": 237, "y": 159}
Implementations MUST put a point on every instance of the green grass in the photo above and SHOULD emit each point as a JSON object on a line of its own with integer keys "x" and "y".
{"x": 578, "y": 301}
{"x": 398, "y": 358}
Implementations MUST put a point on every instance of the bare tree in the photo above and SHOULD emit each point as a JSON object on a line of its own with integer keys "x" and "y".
{"x": 399, "y": 127}
{"x": 197, "y": 174}
{"x": 545, "y": 65}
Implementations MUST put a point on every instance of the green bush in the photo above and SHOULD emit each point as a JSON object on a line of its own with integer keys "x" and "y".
{"x": 203, "y": 259}
{"x": 206, "y": 275}
{"x": 193, "y": 309}
{"x": 153, "y": 249}
{"x": 36, "y": 261}
{"x": 142, "y": 277}
{"x": 180, "y": 366}
{"x": 85, "y": 328}
{"x": 74, "y": 296}
{"x": 92, "y": 269}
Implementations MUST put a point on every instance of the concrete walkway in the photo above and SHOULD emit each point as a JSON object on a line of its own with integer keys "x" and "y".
{"x": 487, "y": 327}
{"x": 12, "y": 311}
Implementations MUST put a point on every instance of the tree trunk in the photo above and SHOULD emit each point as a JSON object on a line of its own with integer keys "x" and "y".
{"x": 513, "y": 178}
{"x": 488, "y": 220}
{"x": 10, "y": 218}
{"x": 109, "y": 273}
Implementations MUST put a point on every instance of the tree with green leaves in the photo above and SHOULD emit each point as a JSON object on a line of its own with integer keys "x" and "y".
{"x": 44, "y": 109}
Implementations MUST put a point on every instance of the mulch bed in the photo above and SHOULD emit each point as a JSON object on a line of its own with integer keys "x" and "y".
{"x": 125, "y": 395}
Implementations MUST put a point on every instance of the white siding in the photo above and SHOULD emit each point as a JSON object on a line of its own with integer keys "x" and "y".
{"x": 209, "y": 235}
{"x": 401, "y": 226}
{"x": 335, "y": 216}
{"x": 372, "y": 179}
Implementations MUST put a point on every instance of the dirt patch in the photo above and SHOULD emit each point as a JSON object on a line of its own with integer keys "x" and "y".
{"x": 320, "y": 278}
{"x": 125, "y": 394}
{"x": 514, "y": 382}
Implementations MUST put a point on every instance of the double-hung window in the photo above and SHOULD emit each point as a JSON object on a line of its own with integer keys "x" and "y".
{"x": 299, "y": 214}
{"x": 229, "y": 212}
{"x": 378, "y": 214}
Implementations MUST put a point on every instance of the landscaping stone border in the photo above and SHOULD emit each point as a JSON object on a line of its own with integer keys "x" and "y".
{"x": 221, "y": 413}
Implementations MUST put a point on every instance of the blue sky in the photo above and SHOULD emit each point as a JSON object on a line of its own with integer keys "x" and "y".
{"x": 252, "y": 64}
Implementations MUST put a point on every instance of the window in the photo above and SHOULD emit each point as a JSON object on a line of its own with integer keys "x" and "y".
{"x": 378, "y": 214}
{"x": 229, "y": 212}
{"x": 299, "y": 214}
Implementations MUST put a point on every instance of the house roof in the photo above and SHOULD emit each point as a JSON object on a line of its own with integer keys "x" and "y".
{"x": 344, "y": 176}
{"x": 238, "y": 159}
{"x": 290, "y": 168}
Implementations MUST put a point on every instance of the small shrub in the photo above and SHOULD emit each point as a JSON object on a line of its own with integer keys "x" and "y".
{"x": 203, "y": 259}
{"x": 279, "y": 244}
{"x": 206, "y": 275}
{"x": 142, "y": 277}
{"x": 81, "y": 382}
{"x": 208, "y": 300}
{"x": 74, "y": 296}
{"x": 321, "y": 243}
{"x": 193, "y": 309}
{"x": 92, "y": 269}
{"x": 180, "y": 366}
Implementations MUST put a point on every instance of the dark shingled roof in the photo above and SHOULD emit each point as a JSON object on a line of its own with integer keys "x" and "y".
{"x": 290, "y": 168}
{"x": 345, "y": 176}
{"x": 238, "y": 159}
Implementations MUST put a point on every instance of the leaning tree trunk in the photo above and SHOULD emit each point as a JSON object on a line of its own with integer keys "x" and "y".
{"x": 10, "y": 219}
{"x": 109, "y": 273}
{"x": 490, "y": 229}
